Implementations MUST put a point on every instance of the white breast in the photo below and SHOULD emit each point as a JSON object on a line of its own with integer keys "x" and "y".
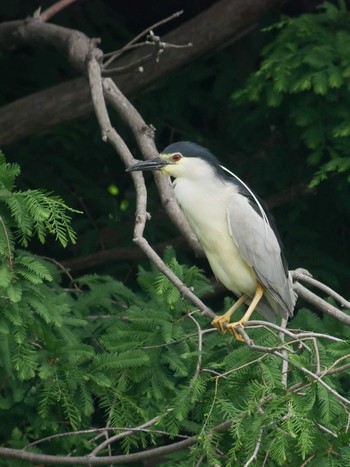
{"x": 205, "y": 207}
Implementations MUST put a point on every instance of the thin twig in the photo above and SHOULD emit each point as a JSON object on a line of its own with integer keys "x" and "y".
{"x": 117, "y": 53}
{"x": 321, "y": 304}
{"x": 299, "y": 274}
{"x": 317, "y": 353}
{"x": 289, "y": 332}
{"x": 200, "y": 347}
{"x": 326, "y": 430}
{"x": 66, "y": 271}
{"x": 308, "y": 460}
{"x": 54, "y": 9}
{"x": 255, "y": 452}
{"x": 144, "y": 136}
{"x": 285, "y": 362}
{"x": 158, "y": 48}
{"x": 119, "y": 436}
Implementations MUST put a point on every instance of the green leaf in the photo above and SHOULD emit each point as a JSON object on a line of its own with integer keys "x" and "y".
{"x": 14, "y": 292}
{"x": 5, "y": 276}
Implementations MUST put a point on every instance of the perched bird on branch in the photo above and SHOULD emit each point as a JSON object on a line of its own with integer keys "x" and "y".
{"x": 235, "y": 229}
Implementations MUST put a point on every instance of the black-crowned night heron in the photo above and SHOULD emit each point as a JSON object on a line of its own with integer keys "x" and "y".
{"x": 235, "y": 229}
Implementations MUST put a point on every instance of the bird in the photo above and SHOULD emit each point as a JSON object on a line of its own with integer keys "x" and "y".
{"x": 235, "y": 229}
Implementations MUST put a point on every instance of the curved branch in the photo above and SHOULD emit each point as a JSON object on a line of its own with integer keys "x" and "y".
{"x": 305, "y": 276}
{"x": 72, "y": 44}
{"x": 144, "y": 136}
{"x": 321, "y": 304}
{"x": 55, "y": 8}
{"x": 9, "y": 453}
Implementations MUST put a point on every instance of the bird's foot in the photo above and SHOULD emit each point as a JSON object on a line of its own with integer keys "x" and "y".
{"x": 232, "y": 328}
{"x": 219, "y": 322}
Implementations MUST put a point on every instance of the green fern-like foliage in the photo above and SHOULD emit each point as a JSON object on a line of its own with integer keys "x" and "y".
{"x": 305, "y": 71}
{"x": 24, "y": 214}
{"x": 94, "y": 353}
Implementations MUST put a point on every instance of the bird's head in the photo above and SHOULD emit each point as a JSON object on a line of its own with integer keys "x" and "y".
{"x": 181, "y": 159}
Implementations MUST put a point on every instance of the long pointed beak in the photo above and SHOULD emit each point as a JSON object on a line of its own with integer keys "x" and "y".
{"x": 151, "y": 164}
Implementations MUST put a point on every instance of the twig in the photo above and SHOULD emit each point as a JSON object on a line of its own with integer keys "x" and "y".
{"x": 211, "y": 407}
{"x": 262, "y": 357}
{"x": 125, "y": 433}
{"x": 321, "y": 304}
{"x": 308, "y": 460}
{"x": 184, "y": 290}
{"x": 326, "y": 430}
{"x": 110, "y": 134}
{"x": 289, "y": 332}
{"x": 285, "y": 362}
{"x": 144, "y": 136}
{"x": 255, "y": 452}
{"x": 54, "y": 9}
{"x": 267, "y": 324}
{"x": 65, "y": 270}
{"x": 200, "y": 347}
{"x": 158, "y": 48}
{"x": 317, "y": 353}
{"x": 304, "y": 370}
{"x": 63, "y": 435}
{"x": 10, "y": 453}
{"x": 128, "y": 46}
{"x": 319, "y": 380}
{"x": 348, "y": 424}
{"x": 328, "y": 370}
{"x": 299, "y": 274}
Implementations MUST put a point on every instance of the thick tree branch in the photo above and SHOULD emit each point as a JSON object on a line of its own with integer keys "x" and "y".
{"x": 38, "y": 112}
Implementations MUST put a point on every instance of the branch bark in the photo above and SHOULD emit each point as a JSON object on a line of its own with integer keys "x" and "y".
{"x": 39, "y": 112}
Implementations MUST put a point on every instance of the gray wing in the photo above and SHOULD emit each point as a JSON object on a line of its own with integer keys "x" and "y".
{"x": 260, "y": 248}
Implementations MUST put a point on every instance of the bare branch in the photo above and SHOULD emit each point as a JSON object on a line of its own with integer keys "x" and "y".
{"x": 125, "y": 433}
{"x": 9, "y": 453}
{"x": 255, "y": 452}
{"x": 127, "y": 47}
{"x": 144, "y": 136}
{"x": 289, "y": 332}
{"x": 54, "y": 9}
{"x": 305, "y": 276}
{"x": 200, "y": 346}
{"x": 158, "y": 48}
{"x": 321, "y": 304}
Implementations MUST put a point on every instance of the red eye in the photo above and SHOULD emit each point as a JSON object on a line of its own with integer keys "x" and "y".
{"x": 176, "y": 157}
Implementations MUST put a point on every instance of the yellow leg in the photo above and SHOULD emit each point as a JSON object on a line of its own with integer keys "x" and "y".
{"x": 259, "y": 292}
{"x": 221, "y": 320}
